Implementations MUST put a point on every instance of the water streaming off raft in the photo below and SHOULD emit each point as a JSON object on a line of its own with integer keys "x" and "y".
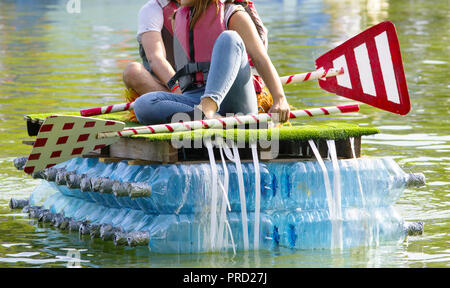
{"x": 54, "y": 61}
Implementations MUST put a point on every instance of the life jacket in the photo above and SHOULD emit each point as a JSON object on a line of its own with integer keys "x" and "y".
{"x": 262, "y": 31}
{"x": 169, "y": 7}
{"x": 193, "y": 47}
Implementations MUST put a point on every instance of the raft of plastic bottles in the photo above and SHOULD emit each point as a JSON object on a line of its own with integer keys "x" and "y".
{"x": 294, "y": 209}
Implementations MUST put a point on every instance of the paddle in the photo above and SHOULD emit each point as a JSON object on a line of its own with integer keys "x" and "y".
{"x": 321, "y": 73}
{"x": 373, "y": 70}
{"x": 64, "y": 137}
{"x": 367, "y": 68}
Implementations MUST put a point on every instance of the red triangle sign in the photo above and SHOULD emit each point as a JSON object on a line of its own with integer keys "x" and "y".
{"x": 373, "y": 69}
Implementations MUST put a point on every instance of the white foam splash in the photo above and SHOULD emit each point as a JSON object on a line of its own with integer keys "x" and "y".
{"x": 325, "y": 177}
{"x": 225, "y": 203}
{"x": 234, "y": 157}
{"x": 213, "y": 218}
{"x": 257, "y": 196}
{"x": 336, "y": 193}
{"x": 356, "y": 165}
{"x": 336, "y": 225}
{"x": 218, "y": 235}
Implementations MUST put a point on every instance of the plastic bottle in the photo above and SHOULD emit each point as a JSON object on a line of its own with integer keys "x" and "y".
{"x": 41, "y": 192}
{"x": 125, "y": 173}
{"x": 79, "y": 166}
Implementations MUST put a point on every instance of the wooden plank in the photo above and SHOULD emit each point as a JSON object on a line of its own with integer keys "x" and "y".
{"x": 94, "y": 155}
{"x": 344, "y": 148}
{"x": 300, "y": 148}
{"x": 283, "y": 160}
{"x": 28, "y": 142}
{"x": 142, "y": 162}
{"x": 112, "y": 159}
{"x": 99, "y": 153}
{"x": 143, "y": 149}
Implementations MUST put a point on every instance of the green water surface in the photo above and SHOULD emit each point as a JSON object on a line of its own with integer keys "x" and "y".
{"x": 52, "y": 60}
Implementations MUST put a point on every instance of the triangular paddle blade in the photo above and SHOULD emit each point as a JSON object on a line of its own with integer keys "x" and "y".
{"x": 373, "y": 69}
{"x": 62, "y": 137}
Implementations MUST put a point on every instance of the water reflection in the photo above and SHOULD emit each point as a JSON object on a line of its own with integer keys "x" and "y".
{"x": 27, "y": 13}
{"x": 350, "y": 17}
{"x": 54, "y": 61}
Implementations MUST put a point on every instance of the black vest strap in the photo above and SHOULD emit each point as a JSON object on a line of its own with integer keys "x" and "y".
{"x": 190, "y": 69}
{"x": 191, "y": 37}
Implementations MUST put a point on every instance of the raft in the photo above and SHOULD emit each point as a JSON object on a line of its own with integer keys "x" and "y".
{"x": 317, "y": 192}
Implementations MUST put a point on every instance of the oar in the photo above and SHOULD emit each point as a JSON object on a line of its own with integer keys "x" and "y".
{"x": 226, "y": 122}
{"x": 321, "y": 73}
{"x": 367, "y": 68}
{"x": 315, "y": 75}
{"x": 64, "y": 137}
{"x": 373, "y": 69}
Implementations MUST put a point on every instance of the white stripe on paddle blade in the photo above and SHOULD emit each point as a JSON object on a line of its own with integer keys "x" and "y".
{"x": 387, "y": 67}
{"x": 342, "y": 79}
{"x": 365, "y": 70}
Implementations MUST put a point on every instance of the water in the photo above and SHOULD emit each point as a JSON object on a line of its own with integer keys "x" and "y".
{"x": 54, "y": 61}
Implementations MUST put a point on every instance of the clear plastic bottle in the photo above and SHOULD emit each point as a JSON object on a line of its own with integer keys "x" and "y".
{"x": 144, "y": 174}
{"x": 74, "y": 205}
{"x": 360, "y": 227}
{"x": 99, "y": 170}
{"x": 180, "y": 188}
{"x": 124, "y": 173}
{"x": 79, "y": 166}
{"x": 131, "y": 220}
{"x": 85, "y": 210}
{"x": 170, "y": 189}
{"x": 59, "y": 204}
{"x": 41, "y": 192}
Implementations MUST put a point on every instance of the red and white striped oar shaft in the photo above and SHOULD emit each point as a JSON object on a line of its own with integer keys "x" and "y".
{"x": 284, "y": 80}
{"x": 227, "y": 122}
{"x": 311, "y": 75}
{"x": 107, "y": 109}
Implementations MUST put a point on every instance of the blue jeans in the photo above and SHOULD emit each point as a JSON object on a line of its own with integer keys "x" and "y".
{"x": 229, "y": 84}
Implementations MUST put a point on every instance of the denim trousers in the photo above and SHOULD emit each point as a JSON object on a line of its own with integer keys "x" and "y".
{"x": 229, "y": 84}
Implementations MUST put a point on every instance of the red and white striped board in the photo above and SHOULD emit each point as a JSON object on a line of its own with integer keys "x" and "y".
{"x": 61, "y": 138}
{"x": 373, "y": 69}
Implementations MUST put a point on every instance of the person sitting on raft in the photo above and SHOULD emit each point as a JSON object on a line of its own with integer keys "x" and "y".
{"x": 155, "y": 38}
{"x": 212, "y": 43}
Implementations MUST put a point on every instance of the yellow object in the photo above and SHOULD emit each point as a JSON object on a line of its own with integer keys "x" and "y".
{"x": 130, "y": 95}
{"x": 265, "y": 101}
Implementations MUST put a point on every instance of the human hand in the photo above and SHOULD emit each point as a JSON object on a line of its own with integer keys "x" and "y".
{"x": 281, "y": 107}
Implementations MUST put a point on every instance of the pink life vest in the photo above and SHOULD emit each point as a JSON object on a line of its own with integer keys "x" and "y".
{"x": 169, "y": 7}
{"x": 193, "y": 47}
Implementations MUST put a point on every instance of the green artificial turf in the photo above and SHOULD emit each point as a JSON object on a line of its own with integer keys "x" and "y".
{"x": 321, "y": 130}
{"x": 328, "y": 130}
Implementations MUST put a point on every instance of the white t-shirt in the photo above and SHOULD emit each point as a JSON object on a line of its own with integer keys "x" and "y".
{"x": 150, "y": 17}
